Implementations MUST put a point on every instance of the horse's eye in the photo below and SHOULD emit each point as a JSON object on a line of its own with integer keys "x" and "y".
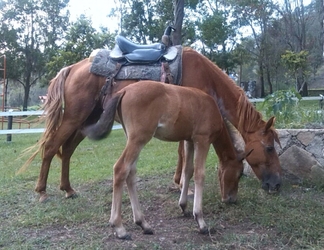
{"x": 270, "y": 148}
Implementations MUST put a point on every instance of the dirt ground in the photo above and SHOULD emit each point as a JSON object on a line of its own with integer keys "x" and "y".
{"x": 172, "y": 230}
{"x": 229, "y": 228}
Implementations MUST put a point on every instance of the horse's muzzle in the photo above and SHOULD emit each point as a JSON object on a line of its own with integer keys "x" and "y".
{"x": 271, "y": 188}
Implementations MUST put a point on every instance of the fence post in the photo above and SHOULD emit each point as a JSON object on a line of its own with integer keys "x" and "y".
{"x": 10, "y": 119}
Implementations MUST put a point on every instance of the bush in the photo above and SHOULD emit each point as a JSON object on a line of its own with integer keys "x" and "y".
{"x": 286, "y": 106}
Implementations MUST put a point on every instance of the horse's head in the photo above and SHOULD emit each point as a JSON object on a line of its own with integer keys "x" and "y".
{"x": 264, "y": 158}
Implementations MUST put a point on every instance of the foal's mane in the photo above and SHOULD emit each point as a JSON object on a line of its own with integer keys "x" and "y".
{"x": 249, "y": 119}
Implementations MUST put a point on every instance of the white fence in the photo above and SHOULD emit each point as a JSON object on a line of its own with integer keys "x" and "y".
{"x": 41, "y": 112}
{"x": 11, "y": 114}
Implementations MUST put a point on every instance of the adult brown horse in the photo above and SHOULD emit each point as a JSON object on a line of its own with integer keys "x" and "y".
{"x": 149, "y": 109}
{"x": 79, "y": 90}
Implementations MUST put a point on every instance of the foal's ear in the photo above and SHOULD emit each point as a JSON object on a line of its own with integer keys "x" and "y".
{"x": 245, "y": 154}
{"x": 270, "y": 123}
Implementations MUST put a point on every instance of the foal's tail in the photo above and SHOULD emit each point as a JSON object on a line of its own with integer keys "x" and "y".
{"x": 103, "y": 127}
{"x": 53, "y": 113}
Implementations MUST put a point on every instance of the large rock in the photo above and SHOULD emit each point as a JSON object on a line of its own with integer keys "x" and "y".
{"x": 301, "y": 164}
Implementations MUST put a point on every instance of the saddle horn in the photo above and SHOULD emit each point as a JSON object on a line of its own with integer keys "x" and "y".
{"x": 166, "y": 38}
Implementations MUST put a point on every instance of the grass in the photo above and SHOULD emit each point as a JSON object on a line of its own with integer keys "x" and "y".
{"x": 304, "y": 114}
{"x": 293, "y": 219}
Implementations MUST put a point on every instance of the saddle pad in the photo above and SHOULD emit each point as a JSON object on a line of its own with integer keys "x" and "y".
{"x": 103, "y": 65}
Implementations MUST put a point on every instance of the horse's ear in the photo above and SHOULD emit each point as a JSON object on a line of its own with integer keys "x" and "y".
{"x": 270, "y": 123}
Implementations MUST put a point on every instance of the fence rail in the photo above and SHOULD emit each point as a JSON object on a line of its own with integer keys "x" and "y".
{"x": 11, "y": 114}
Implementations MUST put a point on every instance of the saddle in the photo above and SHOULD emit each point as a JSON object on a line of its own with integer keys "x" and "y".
{"x": 137, "y": 53}
{"x": 128, "y": 60}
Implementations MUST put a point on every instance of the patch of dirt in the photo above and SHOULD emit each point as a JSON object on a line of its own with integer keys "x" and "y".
{"x": 172, "y": 230}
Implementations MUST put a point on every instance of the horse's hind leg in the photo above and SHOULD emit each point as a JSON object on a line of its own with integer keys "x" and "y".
{"x": 68, "y": 149}
{"x": 137, "y": 213}
{"x": 51, "y": 147}
{"x": 125, "y": 170}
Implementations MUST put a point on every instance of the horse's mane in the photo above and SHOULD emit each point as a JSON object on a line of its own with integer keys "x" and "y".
{"x": 249, "y": 119}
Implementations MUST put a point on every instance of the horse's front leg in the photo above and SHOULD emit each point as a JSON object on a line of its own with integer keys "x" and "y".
{"x": 186, "y": 175}
{"x": 68, "y": 149}
{"x": 201, "y": 151}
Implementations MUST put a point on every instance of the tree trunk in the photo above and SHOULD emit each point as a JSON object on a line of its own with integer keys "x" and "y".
{"x": 26, "y": 96}
{"x": 261, "y": 80}
{"x": 269, "y": 81}
{"x": 178, "y": 6}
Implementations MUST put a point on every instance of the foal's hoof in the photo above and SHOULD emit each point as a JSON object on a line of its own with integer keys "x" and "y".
{"x": 204, "y": 230}
{"x": 43, "y": 197}
{"x": 124, "y": 237}
{"x": 187, "y": 214}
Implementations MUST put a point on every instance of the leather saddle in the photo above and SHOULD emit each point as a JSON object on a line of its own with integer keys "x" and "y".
{"x": 140, "y": 54}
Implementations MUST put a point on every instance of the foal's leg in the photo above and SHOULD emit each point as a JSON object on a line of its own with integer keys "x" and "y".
{"x": 138, "y": 216}
{"x": 201, "y": 151}
{"x": 181, "y": 159}
{"x": 68, "y": 149}
{"x": 187, "y": 172}
{"x": 125, "y": 169}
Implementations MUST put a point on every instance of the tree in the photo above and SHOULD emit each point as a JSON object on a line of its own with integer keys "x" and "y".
{"x": 80, "y": 40}
{"x": 297, "y": 66}
{"x": 178, "y": 7}
{"x": 218, "y": 38}
{"x": 30, "y": 31}
{"x": 258, "y": 15}
{"x": 144, "y": 21}
{"x": 301, "y": 32}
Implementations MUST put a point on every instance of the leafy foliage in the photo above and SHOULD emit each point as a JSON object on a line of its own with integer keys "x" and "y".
{"x": 30, "y": 30}
{"x": 282, "y": 105}
{"x": 80, "y": 41}
{"x": 286, "y": 106}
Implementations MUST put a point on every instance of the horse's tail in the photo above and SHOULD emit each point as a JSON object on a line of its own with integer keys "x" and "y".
{"x": 53, "y": 113}
{"x": 103, "y": 127}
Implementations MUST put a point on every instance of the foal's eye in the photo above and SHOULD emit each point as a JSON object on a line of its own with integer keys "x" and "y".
{"x": 270, "y": 148}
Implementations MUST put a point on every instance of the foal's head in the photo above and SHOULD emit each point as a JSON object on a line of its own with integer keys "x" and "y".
{"x": 229, "y": 177}
{"x": 231, "y": 167}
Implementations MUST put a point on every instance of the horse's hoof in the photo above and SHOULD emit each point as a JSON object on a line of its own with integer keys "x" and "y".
{"x": 43, "y": 197}
{"x": 148, "y": 231}
{"x": 71, "y": 195}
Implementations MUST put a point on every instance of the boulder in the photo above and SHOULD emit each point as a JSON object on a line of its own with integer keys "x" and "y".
{"x": 301, "y": 164}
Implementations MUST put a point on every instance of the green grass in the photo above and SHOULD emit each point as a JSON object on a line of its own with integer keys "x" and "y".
{"x": 293, "y": 219}
{"x": 304, "y": 114}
